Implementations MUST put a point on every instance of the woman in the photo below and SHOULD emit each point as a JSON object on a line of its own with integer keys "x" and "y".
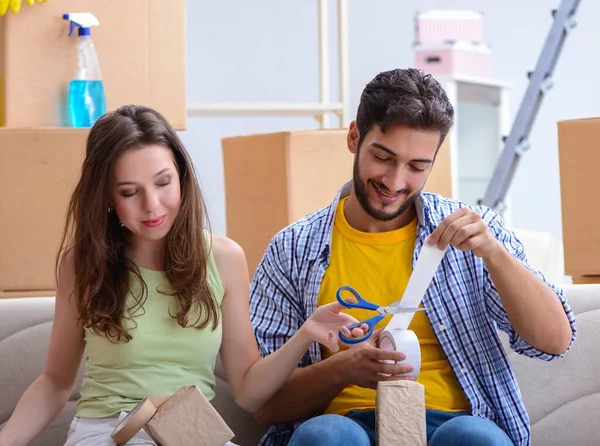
{"x": 149, "y": 291}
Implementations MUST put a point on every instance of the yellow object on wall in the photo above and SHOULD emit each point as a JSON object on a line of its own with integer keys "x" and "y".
{"x": 15, "y": 5}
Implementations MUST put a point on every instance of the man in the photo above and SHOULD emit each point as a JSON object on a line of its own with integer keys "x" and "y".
{"x": 369, "y": 238}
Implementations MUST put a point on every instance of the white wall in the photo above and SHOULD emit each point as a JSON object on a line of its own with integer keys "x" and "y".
{"x": 267, "y": 51}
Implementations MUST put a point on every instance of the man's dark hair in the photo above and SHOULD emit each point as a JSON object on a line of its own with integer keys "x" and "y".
{"x": 404, "y": 96}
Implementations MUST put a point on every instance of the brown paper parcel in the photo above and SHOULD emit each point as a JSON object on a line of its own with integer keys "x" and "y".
{"x": 400, "y": 413}
{"x": 188, "y": 419}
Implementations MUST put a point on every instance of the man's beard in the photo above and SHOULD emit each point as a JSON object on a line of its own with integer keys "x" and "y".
{"x": 360, "y": 189}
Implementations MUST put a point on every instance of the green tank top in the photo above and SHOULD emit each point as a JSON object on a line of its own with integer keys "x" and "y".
{"x": 161, "y": 358}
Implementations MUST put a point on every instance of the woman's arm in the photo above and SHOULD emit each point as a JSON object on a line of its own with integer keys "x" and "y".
{"x": 48, "y": 394}
{"x": 253, "y": 380}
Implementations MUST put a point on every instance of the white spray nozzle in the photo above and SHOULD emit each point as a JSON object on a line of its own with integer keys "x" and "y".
{"x": 84, "y": 20}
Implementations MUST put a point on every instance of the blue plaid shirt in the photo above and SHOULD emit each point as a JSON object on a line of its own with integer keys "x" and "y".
{"x": 462, "y": 303}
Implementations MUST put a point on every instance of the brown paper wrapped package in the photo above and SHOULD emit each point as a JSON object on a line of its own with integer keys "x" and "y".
{"x": 188, "y": 419}
{"x": 400, "y": 413}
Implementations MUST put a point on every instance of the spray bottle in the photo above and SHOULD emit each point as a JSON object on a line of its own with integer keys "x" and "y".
{"x": 87, "y": 101}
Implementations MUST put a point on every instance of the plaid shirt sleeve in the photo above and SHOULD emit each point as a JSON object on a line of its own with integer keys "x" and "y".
{"x": 275, "y": 310}
{"x": 494, "y": 303}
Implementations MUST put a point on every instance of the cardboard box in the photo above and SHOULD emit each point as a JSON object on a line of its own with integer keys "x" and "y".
{"x": 440, "y": 178}
{"x": 272, "y": 180}
{"x": 578, "y": 280}
{"x": 36, "y": 293}
{"x": 579, "y": 159}
{"x": 39, "y": 169}
{"x": 140, "y": 46}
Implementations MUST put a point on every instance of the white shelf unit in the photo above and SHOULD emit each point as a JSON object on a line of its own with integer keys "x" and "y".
{"x": 322, "y": 111}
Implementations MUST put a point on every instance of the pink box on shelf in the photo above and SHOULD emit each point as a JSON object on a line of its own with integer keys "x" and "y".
{"x": 443, "y": 26}
{"x": 458, "y": 58}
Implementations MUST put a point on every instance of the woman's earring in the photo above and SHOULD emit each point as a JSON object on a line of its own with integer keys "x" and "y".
{"x": 111, "y": 209}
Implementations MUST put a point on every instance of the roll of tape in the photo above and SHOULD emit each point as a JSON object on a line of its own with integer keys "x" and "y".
{"x": 134, "y": 421}
{"x": 404, "y": 341}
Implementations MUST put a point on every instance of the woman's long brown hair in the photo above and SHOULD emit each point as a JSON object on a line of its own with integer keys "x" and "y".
{"x": 96, "y": 242}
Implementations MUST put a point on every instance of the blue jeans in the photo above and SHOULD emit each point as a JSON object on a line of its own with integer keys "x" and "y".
{"x": 358, "y": 428}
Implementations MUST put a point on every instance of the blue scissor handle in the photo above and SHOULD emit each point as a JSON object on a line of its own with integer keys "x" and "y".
{"x": 362, "y": 304}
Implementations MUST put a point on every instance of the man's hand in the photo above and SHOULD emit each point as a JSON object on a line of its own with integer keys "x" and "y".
{"x": 364, "y": 364}
{"x": 466, "y": 230}
{"x": 313, "y": 387}
{"x": 532, "y": 307}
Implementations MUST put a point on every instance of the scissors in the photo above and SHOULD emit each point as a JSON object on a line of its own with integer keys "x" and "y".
{"x": 361, "y": 303}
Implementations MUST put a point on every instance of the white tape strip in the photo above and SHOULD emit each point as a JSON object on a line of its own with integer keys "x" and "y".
{"x": 428, "y": 261}
{"x": 396, "y": 335}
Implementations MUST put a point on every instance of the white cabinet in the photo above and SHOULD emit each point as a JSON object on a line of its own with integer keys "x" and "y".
{"x": 482, "y": 119}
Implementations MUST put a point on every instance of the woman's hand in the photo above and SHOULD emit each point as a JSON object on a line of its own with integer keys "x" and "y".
{"x": 324, "y": 324}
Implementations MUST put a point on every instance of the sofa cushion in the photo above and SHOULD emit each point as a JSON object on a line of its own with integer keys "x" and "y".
{"x": 56, "y": 433}
{"x": 562, "y": 397}
{"x": 559, "y": 395}
{"x": 18, "y": 314}
{"x": 574, "y": 423}
{"x": 30, "y": 345}
{"x": 247, "y": 431}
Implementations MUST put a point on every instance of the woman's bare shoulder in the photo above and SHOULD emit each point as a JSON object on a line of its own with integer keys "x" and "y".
{"x": 229, "y": 258}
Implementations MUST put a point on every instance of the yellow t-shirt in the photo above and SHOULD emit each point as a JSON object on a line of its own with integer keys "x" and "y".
{"x": 378, "y": 266}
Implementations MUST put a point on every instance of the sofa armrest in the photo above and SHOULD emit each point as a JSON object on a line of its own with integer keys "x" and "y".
{"x": 562, "y": 397}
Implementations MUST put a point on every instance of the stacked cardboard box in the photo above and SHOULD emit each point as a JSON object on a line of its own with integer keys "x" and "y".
{"x": 579, "y": 159}
{"x": 273, "y": 179}
{"x": 141, "y": 48}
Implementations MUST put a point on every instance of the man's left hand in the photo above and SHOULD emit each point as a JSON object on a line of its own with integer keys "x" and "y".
{"x": 465, "y": 230}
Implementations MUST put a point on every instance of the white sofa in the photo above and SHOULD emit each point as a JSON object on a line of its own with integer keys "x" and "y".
{"x": 562, "y": 397}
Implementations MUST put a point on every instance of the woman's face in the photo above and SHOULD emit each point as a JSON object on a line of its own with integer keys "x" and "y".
{"x": 145, "y": 191}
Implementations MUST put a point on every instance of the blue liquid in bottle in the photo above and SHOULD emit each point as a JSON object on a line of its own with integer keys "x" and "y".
{"x": 86, "y": 102}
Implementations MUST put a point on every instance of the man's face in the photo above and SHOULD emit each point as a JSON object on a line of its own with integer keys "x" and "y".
{"x": 391, "y": 168}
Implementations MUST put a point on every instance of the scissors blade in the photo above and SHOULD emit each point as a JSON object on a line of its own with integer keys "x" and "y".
{"x": 397, "y": 308}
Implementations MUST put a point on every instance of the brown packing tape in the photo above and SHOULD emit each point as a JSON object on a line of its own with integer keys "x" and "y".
{"x": 134, "y": 422}
{"x": 136, "y": 419}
